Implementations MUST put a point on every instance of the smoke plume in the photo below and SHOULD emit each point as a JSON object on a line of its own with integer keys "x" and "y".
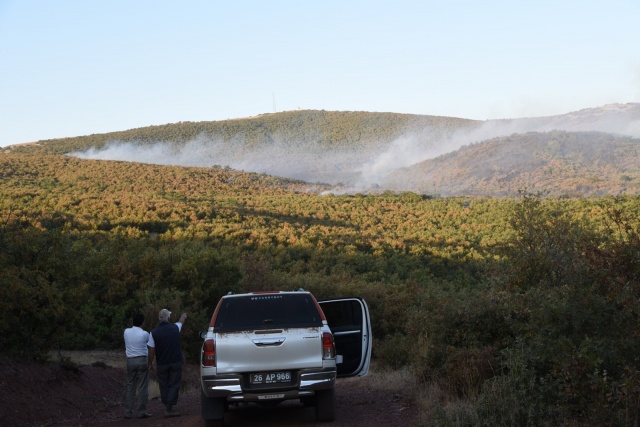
{"x": 365, "y": 167}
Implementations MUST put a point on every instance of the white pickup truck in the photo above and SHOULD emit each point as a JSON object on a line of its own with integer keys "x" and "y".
{"x": 268, "y": 347}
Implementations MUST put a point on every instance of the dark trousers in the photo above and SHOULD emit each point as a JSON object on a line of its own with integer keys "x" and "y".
{"x": 169, "y": 379}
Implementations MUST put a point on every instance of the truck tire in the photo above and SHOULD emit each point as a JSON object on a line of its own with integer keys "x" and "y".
{"x": 326, "y": 405}
{"x": 212, "y": 410}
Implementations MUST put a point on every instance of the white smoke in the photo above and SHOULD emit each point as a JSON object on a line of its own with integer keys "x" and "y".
{"x": 400, "y": 153}
{"x": 409, "y": 150}
{"x": 365, "y": 167}
{"x": 311, "y": 164}
{"x": 160, "y": 153}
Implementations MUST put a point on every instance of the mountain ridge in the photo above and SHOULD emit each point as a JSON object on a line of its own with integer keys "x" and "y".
{"x": 371, "y": 152}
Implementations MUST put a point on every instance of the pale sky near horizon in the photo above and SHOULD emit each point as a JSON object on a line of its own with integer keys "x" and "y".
{"x": 70, "y": 68}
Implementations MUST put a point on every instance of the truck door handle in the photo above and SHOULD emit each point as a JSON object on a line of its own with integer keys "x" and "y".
{"x": 268, "y": 342}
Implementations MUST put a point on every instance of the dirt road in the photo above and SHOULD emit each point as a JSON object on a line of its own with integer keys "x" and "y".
{"x": 85, "y": 395}
{"x": 357, "y": 406}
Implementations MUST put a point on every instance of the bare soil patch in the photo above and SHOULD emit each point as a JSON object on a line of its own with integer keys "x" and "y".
{"x": 88, "y": 390}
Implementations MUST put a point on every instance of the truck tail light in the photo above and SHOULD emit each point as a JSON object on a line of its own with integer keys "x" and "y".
{"x": 209, "y": 353}
{"x": 328, "y": 348}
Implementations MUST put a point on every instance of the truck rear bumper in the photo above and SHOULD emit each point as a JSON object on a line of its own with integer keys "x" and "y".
{"x": 233, "y": 388}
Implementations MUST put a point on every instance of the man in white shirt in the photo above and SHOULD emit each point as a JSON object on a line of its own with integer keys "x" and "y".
{"x": 135, "y": 341}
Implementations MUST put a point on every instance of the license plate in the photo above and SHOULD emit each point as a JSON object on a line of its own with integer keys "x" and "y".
{"x": 270, "y": 378}
{"x": 270, "y": 396}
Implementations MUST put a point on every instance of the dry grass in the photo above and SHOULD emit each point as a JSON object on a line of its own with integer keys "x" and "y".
{"x": 436, "y": 407}
{"x": 400, "y": 380}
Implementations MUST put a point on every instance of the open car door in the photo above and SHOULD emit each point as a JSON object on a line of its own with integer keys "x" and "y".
{"x": 348, "y": 319}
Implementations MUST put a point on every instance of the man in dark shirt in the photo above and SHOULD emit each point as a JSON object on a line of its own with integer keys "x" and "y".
{"x": 164, "y": 343}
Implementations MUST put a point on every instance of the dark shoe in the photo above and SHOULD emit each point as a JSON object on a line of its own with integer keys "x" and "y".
{"x": 128, "y": 417}
{"x": 170, "y": 414}
{"x": 144, "y": 415}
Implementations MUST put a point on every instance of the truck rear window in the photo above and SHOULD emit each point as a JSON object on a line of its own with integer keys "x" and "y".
{"x": 267, "y": 311}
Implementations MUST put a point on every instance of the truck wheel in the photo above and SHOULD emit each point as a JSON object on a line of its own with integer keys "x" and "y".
{"x": 325, "y": 405}
{"x": 212, "y": 410}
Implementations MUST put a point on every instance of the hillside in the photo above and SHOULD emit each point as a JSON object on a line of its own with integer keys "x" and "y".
{"x": 558, "y": 163}
{"x": 479, "y": 299}
{"x": 588, "y": 153}
{"x": 298, "y": 130}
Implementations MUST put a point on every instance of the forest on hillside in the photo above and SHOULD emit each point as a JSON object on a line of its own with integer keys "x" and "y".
{"x": 363, "y": 152}
{"x": 503, "y": 308}
{"x": 559, "y": 163}
{"x": 305, "y": 128}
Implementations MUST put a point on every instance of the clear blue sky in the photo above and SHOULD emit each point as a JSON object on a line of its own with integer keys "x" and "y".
{"x": 71, "y": 68}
